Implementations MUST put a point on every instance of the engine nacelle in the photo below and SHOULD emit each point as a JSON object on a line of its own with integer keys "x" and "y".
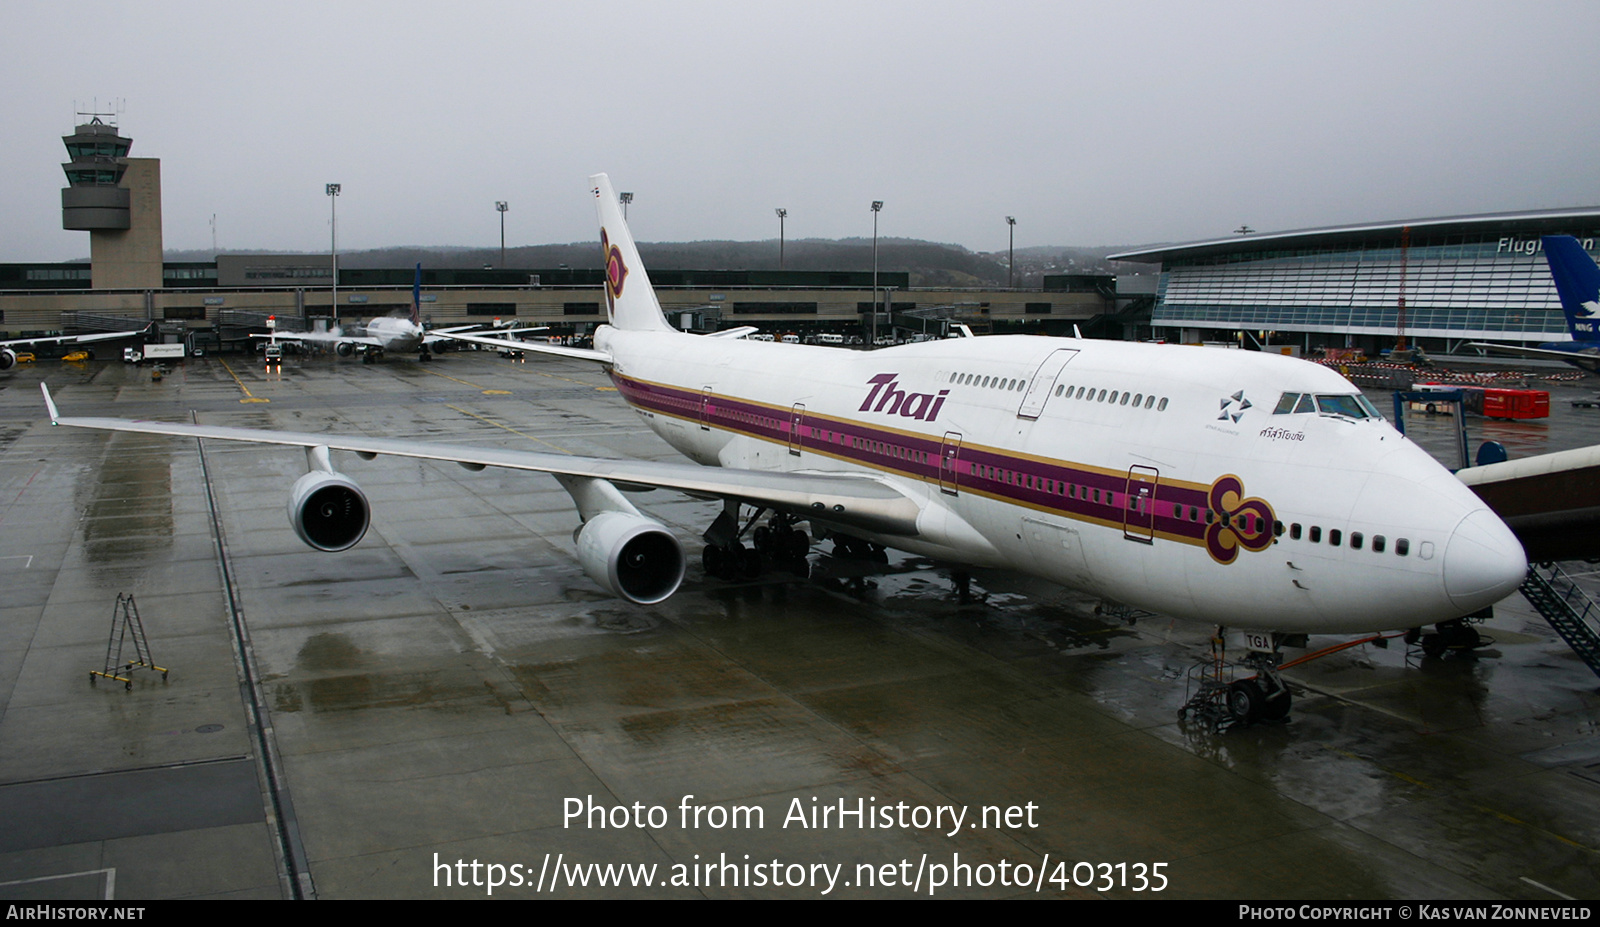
{"x": 439, "y": 347}
{"x": 8, "y": 358}
{"x": 344, "y": 349}
{"x": 634, "y": 557}
{"x": 329, "y": 511}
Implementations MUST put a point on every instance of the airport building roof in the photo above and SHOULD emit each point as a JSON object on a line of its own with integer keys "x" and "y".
{"x": 1375, "y": 234}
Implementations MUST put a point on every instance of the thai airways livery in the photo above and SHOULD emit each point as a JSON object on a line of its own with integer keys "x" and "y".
{"x": 1577, "y": 282}
{"x": 1243, "y": 489}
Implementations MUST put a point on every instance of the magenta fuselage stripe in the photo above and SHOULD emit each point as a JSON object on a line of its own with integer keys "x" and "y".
{"x": 993, "y": 473}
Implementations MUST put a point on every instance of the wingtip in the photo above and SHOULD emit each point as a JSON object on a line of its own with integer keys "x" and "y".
{"x": 49, "y": 403}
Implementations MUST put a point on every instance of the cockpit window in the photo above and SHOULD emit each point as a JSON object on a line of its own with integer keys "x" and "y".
{"x": 1296, "y": 404}
{"x": 1350, "y": 406}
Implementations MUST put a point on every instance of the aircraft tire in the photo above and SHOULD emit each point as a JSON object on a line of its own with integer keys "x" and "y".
{"x": 794, "y": 545}
{"x": 750, "y": 562}
{"x": 1466, "y": 637}
{"x": 1245, "y": 701}
{"x": 1277, "y": 708}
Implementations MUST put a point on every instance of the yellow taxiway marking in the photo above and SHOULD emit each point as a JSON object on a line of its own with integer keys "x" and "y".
{"x": 557, "y": 376}
{"x": 486, "y": 392}
{"x": 242, "y": 388}
{"x": 496, "y": 424}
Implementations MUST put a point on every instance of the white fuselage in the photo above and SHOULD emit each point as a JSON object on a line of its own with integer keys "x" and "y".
{"x": 395, "y": 335}
{"x": 1159, "y": 476}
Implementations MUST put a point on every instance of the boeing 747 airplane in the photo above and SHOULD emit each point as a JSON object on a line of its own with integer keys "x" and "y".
{"x": 1242, "y": 489}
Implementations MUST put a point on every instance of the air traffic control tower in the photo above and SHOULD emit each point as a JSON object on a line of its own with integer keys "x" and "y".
{"x": 117, "y": 200}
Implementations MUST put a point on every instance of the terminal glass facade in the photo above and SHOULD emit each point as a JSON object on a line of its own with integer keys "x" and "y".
{"x": 1472, "y": 285}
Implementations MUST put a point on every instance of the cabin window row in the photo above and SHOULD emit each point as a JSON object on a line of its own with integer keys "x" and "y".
{"x": 1008, "y": 384}
{"x": 1112, "y": 396}
{"x": 1058, "y": 487}
{"x": 882, "y": 448}
{"x": 1337, "y": 538}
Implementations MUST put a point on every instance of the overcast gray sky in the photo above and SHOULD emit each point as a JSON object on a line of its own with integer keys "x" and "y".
{"x": 1114, "y": 123}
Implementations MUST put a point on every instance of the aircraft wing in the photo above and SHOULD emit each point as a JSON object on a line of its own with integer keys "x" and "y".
{"x": 328, "y": 337}
{"x": 436, "y": 335}
{"x": 511, "y": 344}
{"x": 847, "y": 500}
{"x": 1535, "y": 353}
{"x": 739, "y": 332}
{"x": 78, "y": 339}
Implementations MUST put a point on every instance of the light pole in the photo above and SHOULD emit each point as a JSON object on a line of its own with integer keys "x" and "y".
{"x": 625, "y": 198}
{"x": 782, "y": 215}
{"x": 501, "y": 206}
{"x": 877, "y": 206}
{"x": 1011, "y": 252}
{"x": 332, "y": 190}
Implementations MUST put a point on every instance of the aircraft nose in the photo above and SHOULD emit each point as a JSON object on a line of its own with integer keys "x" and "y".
{"x": 1483, "y": 562}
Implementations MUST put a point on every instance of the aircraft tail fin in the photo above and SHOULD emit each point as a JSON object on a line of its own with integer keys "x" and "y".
{"x": 416, "y": 297}
{"x": 631, "y": 302}
{"x": 1577, "y": 283}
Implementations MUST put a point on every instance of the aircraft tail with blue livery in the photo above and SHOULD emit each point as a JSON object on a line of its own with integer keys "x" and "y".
{"x": 1577, "y": 281}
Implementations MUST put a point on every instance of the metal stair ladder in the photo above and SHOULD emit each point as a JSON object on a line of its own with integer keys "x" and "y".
{"x": 1574, "y": 615}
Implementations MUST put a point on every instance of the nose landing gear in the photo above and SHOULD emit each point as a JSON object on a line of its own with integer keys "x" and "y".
{"x": 1220, "y": 697}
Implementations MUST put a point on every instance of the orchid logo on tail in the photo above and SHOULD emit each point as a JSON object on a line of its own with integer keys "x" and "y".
{"x": 616, "y": 272}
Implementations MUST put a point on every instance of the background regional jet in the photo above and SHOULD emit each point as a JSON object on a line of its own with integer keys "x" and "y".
{"x": 1237, "y": 488}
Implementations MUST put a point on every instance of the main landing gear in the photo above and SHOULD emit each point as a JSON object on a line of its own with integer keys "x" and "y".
{"x": 778, "y": 543}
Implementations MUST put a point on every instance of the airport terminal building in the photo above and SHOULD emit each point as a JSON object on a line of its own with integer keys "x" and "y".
{"x": 126, "y": 285}
{"x": 1464, "y": 278}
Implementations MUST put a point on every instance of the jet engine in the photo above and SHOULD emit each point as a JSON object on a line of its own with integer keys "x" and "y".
{"x": 8, "y": 358}
{"x": 328, "y": 510}
{"x": 634, "y": 557}
{"x": 344, "y": 349}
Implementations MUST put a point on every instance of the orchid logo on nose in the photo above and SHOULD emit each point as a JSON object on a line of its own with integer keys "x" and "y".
{"x": 1239, "y": 521}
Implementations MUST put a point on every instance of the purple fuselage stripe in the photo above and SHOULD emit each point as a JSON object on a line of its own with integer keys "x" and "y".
{"x": 1056, "y": 486}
